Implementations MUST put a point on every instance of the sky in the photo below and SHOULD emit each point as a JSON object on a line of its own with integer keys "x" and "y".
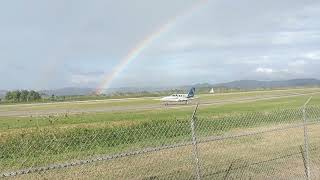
{"x": 77, "y": 43}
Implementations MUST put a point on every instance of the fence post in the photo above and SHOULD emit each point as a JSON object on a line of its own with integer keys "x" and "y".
{"x": 306, "y": 140}
{"x": 195, "y": 144}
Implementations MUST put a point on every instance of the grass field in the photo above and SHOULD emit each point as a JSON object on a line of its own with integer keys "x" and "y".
{"x": 133, "y": 117}
{"x": 250, "y": 157}
{"x": 150, "y": 101}
{"x": 31, "y": 141}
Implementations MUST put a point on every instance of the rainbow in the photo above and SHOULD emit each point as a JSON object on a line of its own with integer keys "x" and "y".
{"x": 141, "y": 46}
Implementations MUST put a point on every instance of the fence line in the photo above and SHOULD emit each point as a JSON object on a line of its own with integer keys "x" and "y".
{"x": 150, "y": 150}
{"x": 195, "y": 143}
{"x": 93, "y": 160}
{"x": 306, "y": 140}
{"x": 191, "y": 136}
{"x": 220, "y": 138}
{"x": 260, "y": 162}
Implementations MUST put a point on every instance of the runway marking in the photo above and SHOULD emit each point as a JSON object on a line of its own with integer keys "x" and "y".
{"x": 147, "y": 98}
{"x": 132, "y": 108}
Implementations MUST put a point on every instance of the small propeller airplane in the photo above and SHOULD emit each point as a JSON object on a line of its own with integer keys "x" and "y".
{"x": 180, "y": 97}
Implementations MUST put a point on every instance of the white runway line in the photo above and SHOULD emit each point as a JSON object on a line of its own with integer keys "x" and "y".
{"x": 148, "y": 98}
{"x": 132, "y": 108}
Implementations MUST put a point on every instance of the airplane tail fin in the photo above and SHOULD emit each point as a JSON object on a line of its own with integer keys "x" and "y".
{"x": 191, "y": 92}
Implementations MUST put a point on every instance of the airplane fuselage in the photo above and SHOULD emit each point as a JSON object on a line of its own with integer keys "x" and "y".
{"x": 176, "y": 98}
{"x": 180, "y": 97}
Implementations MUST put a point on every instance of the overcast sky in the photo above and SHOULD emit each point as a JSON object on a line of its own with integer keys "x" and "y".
{"x": 53, "y": 44}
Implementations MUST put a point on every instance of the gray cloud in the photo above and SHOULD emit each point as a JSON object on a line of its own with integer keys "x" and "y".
{"x": 73, "y": 43}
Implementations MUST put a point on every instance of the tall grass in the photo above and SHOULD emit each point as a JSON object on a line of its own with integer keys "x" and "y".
{"x": 79, "y": 142}
{"x": 57, "y": 144}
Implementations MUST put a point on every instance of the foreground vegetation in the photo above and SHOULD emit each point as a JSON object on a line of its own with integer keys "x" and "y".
{"x": 36, "y": 141}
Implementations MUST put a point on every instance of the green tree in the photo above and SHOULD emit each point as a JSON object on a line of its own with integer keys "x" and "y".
{"x": 37, "y": 96}
{"x": 53, "y": 97}
{"x": 8, "y": 96}
{"x": 30, "y": 96}
{"x": 24, "y": 96}
{"x": 33, "y": 96}
{"x": 16, "y": 96}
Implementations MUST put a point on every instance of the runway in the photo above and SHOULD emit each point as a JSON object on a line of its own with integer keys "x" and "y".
{"x": 32, "y": 110}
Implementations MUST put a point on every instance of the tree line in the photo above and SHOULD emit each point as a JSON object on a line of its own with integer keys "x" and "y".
{"x": 22, "y": 96}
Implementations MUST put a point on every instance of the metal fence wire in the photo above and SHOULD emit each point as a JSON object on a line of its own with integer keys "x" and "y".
{"x": 279, "y": 144}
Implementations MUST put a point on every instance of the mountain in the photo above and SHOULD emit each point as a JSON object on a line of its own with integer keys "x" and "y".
{"x": 70, "y": 91}
{"x": 253, "y": 84}
{"x": 74, "y": 91}
{"x": 241, "y": 84}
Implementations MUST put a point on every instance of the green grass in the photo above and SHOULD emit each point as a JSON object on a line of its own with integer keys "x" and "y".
{"x": 146, "y": 101}
{"x": 49, "y": 145}
{"x": 50, "y": 139}
{"x": 113, "y": 118}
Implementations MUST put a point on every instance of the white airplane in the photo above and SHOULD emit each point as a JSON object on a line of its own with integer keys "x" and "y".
{"x": 180, "y": 97}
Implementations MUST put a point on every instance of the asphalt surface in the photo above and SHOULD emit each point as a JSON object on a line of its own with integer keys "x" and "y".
{"x": 131, "y": 108}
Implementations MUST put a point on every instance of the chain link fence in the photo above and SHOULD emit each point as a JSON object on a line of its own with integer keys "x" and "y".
{"x": 279, "y": 144}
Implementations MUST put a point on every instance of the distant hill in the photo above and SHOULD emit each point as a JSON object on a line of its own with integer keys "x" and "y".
{"x": 241, "y": 84}
{"x": 253, "y": 84}
{"x": 70, "y": 91}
